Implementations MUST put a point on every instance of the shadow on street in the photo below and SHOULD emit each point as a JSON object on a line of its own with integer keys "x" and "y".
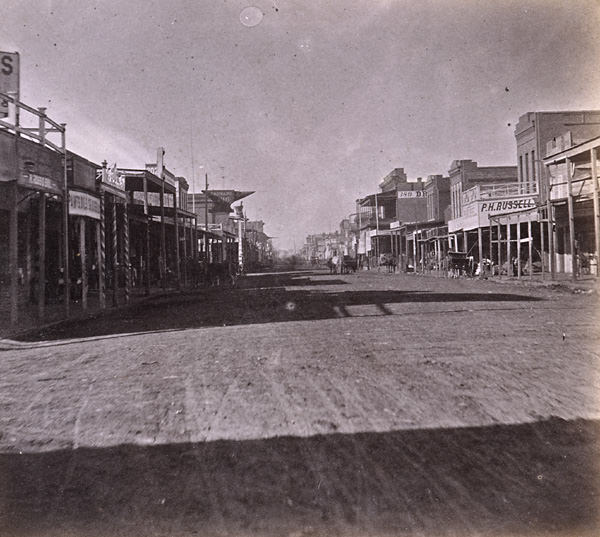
{"x": 259, "y": 299}
{"x": 528, "y": 479}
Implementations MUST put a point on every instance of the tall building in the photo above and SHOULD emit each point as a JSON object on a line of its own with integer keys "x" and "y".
{"x": 542, "y": 133}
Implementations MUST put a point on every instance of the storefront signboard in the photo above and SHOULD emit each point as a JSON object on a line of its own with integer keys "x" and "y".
{"x": 40, "y": 182}
{"x": 506, "y": 205}
{"x": 84, "y": 204}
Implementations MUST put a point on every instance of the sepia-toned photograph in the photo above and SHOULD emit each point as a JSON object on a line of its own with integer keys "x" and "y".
{"x": 299, "y": 268}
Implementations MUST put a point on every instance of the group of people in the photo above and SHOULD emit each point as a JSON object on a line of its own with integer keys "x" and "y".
{"x": 334, "y": 264}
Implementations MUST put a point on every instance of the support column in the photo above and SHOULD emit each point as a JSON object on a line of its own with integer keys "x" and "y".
{"x": 83, "y": 258}
{"x": 509, "y": 265}
{"x": 551, "y": 236}
{"x": 163, "y": 246}
{"x": 491, "y": 247}
{"x": 499, "y": 231}
{"x": 42, "y": 256}
{"x": 65, "y": 241}
{"x": 101, "y": 246}
{"x": 571, "y": 223}
{"x": 28, "y": 249}
{"x": 185, "y": 256}
{"x": 480, "y": 250}
{"x": 177, "y": 265}
{"x": 147, "y": 258}
{"x": 518, "y": 247}
{"x": 13, "y": 235}
{"x": 530, "y": 244}
{"x": 115, "y": 254}
{"x": 542, "y": 241}
{"x": 146, "y": 276}
{"x": 126, "y": 264}
{"x": 594, "y": 159}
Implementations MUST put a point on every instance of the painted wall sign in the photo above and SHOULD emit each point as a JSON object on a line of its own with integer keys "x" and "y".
{"x": 410, "y": 194}
{"x": 39, "y": 182}
{"x": 507, "y": 205}
{"x": 83, "y": 204}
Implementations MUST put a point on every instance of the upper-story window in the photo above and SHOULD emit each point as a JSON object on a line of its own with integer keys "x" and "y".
{"x": 520, "y": 168}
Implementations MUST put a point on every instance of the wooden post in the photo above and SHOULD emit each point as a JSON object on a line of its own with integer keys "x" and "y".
{"x": 480, "y": 250}
{"x": 499, "y": 230}
{"x": 518, "y": 247}
{"x": 509, "y": 266}
{"x": 101, "y": 250}
{"x": 550, "y": 227}
{"x": 115, "y": 253}
{"x": 42, "y": 256}
{"x": 177, "y": 264}
{"x": 28, "y": 249}
{"x": 126, "y": 261}
{"x": 13, "y": 232}
{"x": 147, "y": 241}
{"x": 571, "y": 223}
{"x": 414, "y": 248}
{"x": 185, "y": 256}
{"x": 491, "y": 247}
{"x": 542, "y": 244}
{"x": 66, "y": 269}
{"x": 83, "y": 258}
{"x": 530, "y": 244}
{"x": 163, "y": 245}
{"x": 594, "y": 159}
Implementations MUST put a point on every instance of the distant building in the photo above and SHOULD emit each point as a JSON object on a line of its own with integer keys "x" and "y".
{"x": 399, "y": 200}
{"x": 219, "y": 231}
{"x": 393, "y": 180}
{"x": 437, "y": 197}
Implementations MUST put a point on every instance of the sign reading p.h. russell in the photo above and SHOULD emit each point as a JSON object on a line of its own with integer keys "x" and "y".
{"x": 506, "y": 206}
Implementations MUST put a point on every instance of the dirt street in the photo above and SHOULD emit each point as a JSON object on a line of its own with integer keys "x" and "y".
{"x": 304, "y": 404}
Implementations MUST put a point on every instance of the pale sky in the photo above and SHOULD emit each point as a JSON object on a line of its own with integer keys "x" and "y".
{"x": 316, "y": 103}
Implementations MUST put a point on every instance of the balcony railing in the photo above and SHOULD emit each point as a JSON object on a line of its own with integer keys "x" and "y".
{"x": 499, "y": 190}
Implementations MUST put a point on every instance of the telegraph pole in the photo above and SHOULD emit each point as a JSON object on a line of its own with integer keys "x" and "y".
{"x": 205, "y": 225}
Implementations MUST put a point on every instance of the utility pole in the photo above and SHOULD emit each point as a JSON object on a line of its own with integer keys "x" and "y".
{"x": 205, "y": 225}
{"x": 377, "y": 230}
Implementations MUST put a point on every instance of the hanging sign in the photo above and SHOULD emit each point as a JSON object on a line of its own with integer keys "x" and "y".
{"x": 43, "y": 183}
{"x": 9, "y": 78}
{"x": 83, "y": 204}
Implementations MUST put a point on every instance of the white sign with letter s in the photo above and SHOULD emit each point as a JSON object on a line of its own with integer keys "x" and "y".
{"x": 9, "y": 78}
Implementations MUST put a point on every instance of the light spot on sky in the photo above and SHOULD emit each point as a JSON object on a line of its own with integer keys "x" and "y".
{"x": 251, "y": 16}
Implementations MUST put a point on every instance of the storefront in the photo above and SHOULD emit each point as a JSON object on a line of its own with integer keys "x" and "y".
{"x": 573, "y": 210}
{"x": 33, "y": 218}
{"x": 84, "y": 229}
{"x": 498, "y": 228}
